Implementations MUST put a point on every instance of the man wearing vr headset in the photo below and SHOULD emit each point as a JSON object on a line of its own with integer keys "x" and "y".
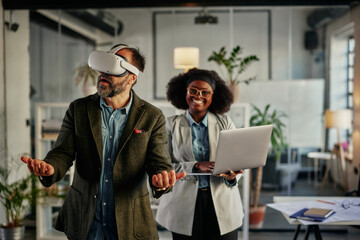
{"x": 116, "y": 138}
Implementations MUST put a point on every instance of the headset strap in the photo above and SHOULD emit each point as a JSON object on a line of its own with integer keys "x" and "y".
{"x": 123, "y": 62}
{"x": 116, "y": 49}
{"x": 129, "y": 67}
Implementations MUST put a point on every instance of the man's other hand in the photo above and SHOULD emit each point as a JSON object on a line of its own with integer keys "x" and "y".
{"x": 38, "y": 167}
{"x": 165, "y": 180}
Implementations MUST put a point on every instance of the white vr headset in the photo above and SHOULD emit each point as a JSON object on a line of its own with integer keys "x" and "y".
{"x": 110, "y": 63}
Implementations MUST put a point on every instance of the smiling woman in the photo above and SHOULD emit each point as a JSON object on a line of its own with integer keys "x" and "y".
{"x": 221, "y": 96}
{"x": 198, "y": 100}
{"x": 192, "y": 138}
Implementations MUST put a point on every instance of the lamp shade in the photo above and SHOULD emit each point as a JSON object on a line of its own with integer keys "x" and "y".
{"x": 186, "y": 57}
{"x": 338, "y": 119}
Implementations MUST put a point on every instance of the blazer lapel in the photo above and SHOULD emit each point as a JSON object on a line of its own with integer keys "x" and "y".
{"x": 185, "y": 135}
{"x": 135, "y": 115}
{"x": 94, "y": 114}
{"x": 214, "y": 131}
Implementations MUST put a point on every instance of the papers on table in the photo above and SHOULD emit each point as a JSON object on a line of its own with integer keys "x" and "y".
{"x": 352, "y": 213}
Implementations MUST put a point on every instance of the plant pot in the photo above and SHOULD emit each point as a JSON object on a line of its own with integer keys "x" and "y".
{"x": 17, "y": 233}
{"x": 257, "y": 214}
{"x": 235, "y": 89}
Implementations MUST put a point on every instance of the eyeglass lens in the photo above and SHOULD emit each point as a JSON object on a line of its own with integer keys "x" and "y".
{"x": 202, "y": 93}
{"x": 347, "y": 203}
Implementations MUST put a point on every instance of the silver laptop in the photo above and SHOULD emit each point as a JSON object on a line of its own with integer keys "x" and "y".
{"x": 240, "y": 149}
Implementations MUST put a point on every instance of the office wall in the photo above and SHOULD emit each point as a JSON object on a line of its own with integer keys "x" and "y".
{"x": 303, "y": 64}
{"x": 274, "y": 34}
{"x": 302, "y": 102}
{"x": 17, "y": 88}
{"x": 14, "y": 94}
{"x": 2, "y": 92}
{"x": 54, "y": 59}
{"x": 2, "y": 103}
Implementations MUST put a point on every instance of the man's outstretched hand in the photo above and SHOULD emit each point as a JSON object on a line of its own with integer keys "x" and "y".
{"x": 165, "y": 180}
{"x": 38, "y": 167}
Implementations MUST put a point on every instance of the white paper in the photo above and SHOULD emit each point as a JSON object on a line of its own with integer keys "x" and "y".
{"x": 341, "y": 214}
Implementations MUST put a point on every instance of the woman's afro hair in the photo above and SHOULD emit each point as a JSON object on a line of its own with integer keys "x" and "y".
{"x": 177, "y": 88}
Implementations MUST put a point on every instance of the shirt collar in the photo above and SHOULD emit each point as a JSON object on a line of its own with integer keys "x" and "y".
{"x": 104, "y": 105}
{"x": 191, "y": 120}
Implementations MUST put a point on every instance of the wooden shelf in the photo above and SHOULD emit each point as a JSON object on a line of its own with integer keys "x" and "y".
{"x": 45, "y": 206}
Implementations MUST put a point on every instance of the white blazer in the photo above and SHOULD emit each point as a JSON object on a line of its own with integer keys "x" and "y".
{"x": 176, "y": 209}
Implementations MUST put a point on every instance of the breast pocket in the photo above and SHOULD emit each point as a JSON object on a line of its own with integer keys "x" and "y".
{"x": 140, "y": 139}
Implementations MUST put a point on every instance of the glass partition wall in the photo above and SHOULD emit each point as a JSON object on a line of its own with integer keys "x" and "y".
{"x": 302, "y": 53}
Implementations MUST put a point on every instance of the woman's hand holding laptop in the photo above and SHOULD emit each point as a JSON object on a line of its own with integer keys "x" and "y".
{"x": 231, "y": 175}
{"x": 204, "y": 167}
{"x": 208, "y": 167}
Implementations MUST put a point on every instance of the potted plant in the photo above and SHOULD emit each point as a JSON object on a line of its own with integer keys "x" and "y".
{"x": 278, "y": 145}
{"x": 234, "y": 66}
{"x": 16, "y": 198}
{"x": 87, "y": 76}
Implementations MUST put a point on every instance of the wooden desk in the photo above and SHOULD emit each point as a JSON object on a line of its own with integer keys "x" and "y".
{"x": 310, "y": 228}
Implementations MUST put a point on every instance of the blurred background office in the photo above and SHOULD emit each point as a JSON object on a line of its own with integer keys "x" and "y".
{"x": 306, "y": 66}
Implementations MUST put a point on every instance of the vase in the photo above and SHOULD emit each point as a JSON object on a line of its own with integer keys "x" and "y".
{"x": 17, "y": 233}
{"x": 256, "y": 218}
{"x": 235, "y": 89}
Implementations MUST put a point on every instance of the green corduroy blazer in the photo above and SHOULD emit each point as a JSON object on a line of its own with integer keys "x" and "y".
{"x": 140, "y": 153}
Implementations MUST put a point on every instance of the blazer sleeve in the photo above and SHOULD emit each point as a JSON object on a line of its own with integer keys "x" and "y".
{"x": 61, "y": 157}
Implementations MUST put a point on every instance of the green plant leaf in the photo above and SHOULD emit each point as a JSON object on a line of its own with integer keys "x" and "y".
{"x": 232, "y": 63}
{"x": 265, "y": 117}
{"x": 84, "y": 73}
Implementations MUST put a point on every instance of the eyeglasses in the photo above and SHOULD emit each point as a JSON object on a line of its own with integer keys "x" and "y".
{"x": 202, "y": 93}
{"x": 347, "y": 203}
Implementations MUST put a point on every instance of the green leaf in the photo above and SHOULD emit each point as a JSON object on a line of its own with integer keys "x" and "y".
{"x": 265, "y": 117}
{"x": 233, "y": 64}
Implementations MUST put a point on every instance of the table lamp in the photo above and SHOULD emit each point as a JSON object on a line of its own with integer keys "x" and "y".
{"x": 339, "y": 119}
{"x": 186, "y": 58}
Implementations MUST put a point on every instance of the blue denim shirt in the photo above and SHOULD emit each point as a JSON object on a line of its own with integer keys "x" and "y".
{"x": 200, "y": 144}
{"x": 201, "y": 147}
{"x": 112, "y": 125}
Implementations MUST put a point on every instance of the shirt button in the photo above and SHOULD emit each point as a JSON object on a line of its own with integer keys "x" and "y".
{"x": 106, "y": 180}
{"x": 104, "y": 224}
{"x": 95, "y": 196}
{"x": 110, "y": 137}
{"x": 104, "y": 203}
{"x": 108, "y": 159}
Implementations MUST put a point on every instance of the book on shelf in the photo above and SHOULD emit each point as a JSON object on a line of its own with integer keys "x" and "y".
{"x": 50, "y": 135}
{"x": 51, "y": 125}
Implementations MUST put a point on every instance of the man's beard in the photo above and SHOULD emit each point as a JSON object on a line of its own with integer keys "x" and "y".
{"x": 112, "y": 89}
